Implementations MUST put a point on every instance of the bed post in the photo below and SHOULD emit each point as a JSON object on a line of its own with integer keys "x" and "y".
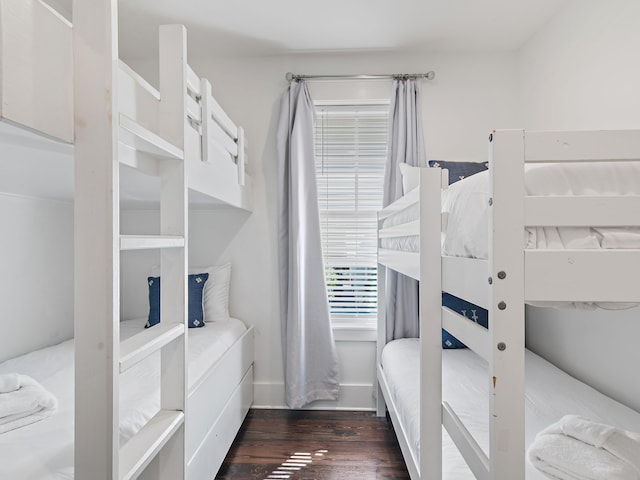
{"x": 381, "y": 409}
{"x": 430, "y": 324}
{"x": 173, "y": 125}
{"x": 506, "y": 305}
{"x": 96, "y": 237}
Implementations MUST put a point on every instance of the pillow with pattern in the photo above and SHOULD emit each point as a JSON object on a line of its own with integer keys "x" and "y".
{"x": 464, "y": 308}
{"x": 459, "y": 170}
{"x": 196, "y": 285}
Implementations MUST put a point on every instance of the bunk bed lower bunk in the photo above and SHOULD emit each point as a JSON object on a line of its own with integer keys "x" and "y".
{"x": 550, "y": 394}
{"x": 220, "y": 394}
{"x": 538, "y": 183}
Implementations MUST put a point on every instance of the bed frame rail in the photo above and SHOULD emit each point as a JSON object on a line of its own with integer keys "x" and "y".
{"x": 472, "y": 452}
{"x": 581, "y": 146}
{"x": 220, "y": 134}
{"x": 474, "y": 336}
{"x": 582, "y": 211}
{"x": 614, "y": 281}
{"x": 407, "y": 263}
{"x": 612, "y": 276}
{"x": 36, "y": 65}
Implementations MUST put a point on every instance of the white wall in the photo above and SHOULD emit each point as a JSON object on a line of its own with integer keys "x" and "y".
{"x": 582, "y": 72}
{"x": 471, "y": 94}
{"x": 36, "y": 274}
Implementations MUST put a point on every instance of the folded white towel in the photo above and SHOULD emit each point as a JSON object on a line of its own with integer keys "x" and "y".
{"x": 28, "y": 404}
{"x": 620, "y": 443}
{"x": 576, "y": 448}
{"x": 9, "y": 382}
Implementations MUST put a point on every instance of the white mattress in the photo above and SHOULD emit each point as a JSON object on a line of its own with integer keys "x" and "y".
{"x": 467, "y": 206}
{"x": 550, "y": 394}
{"x": 44, "y": 450}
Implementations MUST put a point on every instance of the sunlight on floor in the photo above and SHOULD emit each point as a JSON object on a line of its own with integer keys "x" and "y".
{"x": 297, "y": 461}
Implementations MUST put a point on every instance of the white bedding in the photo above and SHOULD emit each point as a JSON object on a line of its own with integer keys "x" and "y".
{"x": 550, "y": 394}
{"x": 44, "y": 450}
{"x": 467, "y": 206}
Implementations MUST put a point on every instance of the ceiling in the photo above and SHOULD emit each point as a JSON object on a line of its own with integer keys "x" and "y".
{"x": 277, "y": 27}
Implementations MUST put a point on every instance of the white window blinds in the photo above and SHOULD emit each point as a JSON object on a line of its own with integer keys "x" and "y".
{"x": 351, "y": 146}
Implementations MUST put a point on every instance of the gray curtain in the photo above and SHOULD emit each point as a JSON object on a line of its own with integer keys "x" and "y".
{"x": 310, "y": 359}
{"x": 406, "y": 144}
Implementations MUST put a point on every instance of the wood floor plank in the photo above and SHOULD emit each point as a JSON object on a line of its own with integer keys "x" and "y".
{"x": 334, "y": 445}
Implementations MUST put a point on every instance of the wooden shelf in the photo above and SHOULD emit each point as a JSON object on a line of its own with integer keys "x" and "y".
{"x": 141, "y": 139}
{"x": 150, "y": 340}
{"x": 138, "y": 452}
{"x": 147, "y": 242}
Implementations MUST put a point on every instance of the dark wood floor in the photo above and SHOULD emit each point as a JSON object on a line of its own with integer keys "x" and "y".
{"x": 314, "y": 445}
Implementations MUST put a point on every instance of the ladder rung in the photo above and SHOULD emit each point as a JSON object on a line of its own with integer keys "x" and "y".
{"x": 140, "y": 138}
{"x": 141, "y": 242}
{"x": 150, "y": 340}
{"x": 138, "y": 452}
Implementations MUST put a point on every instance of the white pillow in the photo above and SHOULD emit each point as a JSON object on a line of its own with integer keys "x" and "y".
{"x": 216, "y": 292}
{"x": 410, "y": 177}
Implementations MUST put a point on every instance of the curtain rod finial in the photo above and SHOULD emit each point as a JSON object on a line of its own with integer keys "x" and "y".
{"x": 288, "y": 76}
{"x": 431, "y": 75}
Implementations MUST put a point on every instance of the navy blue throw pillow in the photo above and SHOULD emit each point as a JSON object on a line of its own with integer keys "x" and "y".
{"x": 469, "y": 310}
{"x": 459, "y": 170}
{"x": 196, "y": 314}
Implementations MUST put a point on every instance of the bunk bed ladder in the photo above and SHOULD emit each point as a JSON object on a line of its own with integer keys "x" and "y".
{"x": 100, "y": 359}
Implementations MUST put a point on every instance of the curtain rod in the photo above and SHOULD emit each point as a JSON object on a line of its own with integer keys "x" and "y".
{"x": 430, "y": 75}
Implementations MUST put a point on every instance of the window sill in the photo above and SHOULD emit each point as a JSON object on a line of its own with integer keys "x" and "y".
{"x": 349, "y": 332}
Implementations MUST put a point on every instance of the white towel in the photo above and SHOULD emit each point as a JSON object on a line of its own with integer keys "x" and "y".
{"x": 9, "y": 382}
{"x": 28, "y": 404}
{"x": 576, "y": 448}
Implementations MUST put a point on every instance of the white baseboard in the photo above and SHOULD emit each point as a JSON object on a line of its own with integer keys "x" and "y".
{"x": 352, "y": 397}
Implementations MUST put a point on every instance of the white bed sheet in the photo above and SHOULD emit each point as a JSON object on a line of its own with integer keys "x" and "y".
{"x": 550, "y": 394}
{"x": 44, "y": 450}
{"x": 466, "y": 204}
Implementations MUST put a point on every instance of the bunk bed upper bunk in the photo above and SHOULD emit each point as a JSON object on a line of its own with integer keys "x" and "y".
{"x": 36, "y": 97}
{"x": 538, "y": 184}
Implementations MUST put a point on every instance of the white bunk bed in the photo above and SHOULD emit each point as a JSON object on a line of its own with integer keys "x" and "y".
{"x": 181, "y": 137}
{"x": 490, "y": 432}
{"x": 36, "y": 96}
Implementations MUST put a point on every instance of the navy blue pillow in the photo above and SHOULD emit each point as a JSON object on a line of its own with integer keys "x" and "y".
{"x": 469, "y": 310}
{"x": 196, "y": 314}
{"x": 459, "y": 170}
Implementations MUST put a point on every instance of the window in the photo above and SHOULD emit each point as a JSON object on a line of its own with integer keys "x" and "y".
{"x": 351, "y": 147}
